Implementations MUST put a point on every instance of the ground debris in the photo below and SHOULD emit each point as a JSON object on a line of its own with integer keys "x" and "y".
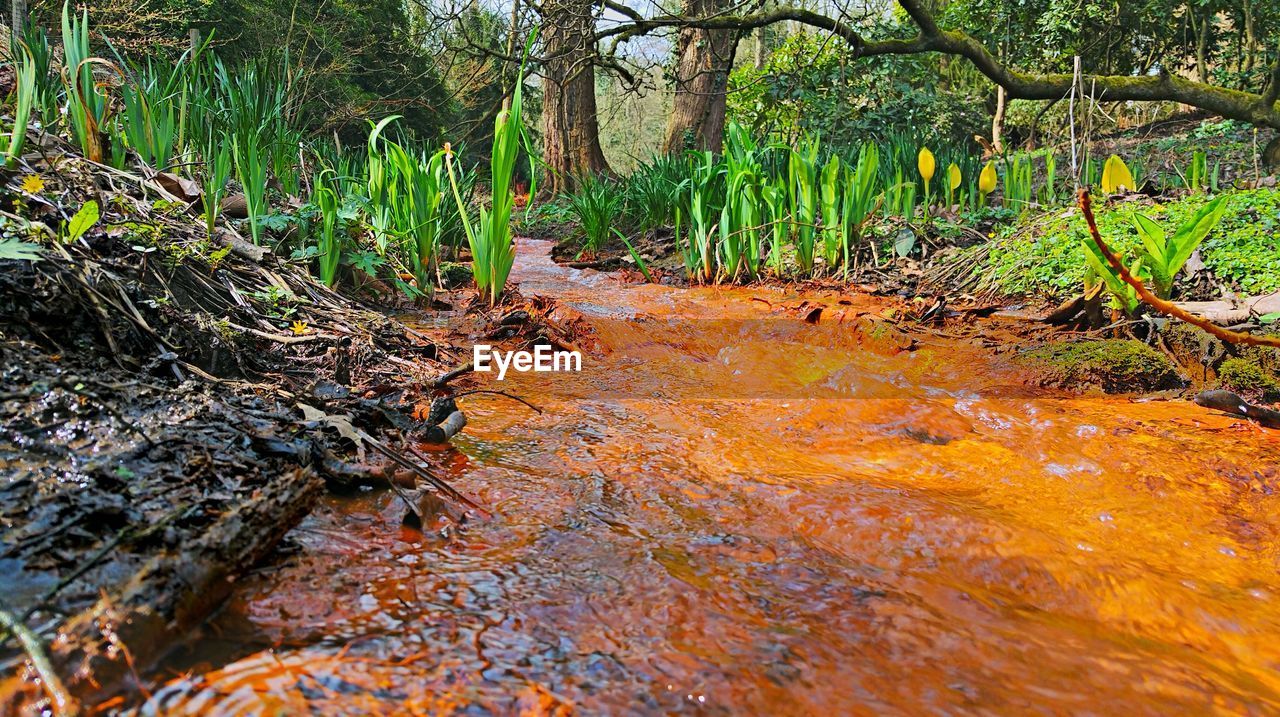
{"x": 170, "y": 406}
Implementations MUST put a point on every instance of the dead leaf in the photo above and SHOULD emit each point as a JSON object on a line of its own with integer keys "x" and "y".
{"x": 340, "y": 422}
{"x": 180, "y": 187}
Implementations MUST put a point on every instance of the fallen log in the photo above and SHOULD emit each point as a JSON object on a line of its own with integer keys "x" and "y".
{"x": 447, "y": 429}
{"x": 242, "y": 248}
{"x": 1228, "y": 313}
{"x": 128, "y": 630}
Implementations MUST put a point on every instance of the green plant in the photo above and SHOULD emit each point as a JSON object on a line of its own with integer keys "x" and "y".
{"x": 802, "y": 185}
{"x": 88, "y": 109}
{"x": 329, "y": 241}
{"x": 829, "y": 201}
{"x": 404, "y": 203}
{"x": 1165, "y": 256}
{"x": 492, "y": 249}
{"x": 1049, "y": 192}
{"x": 1018, "y": 183}
{"x": 251, "y": 169}
{"x": 1099, "y": 269}
{"x": 47, "y": 87}
{"x": 1197, "y": 171}
{"x": 24, "y": 100}
{"x": 859, "y": 198}
{"x": 217, "y": 172}
{"x": 81, "y": 222}
{"x": 596, "y": 204}
{"x": 774, "y": 195}
{"x": 635, "y": 256}
{"x": 13, "y": 248}
{"x": 652, "y": 191}
{"x": 900, "y": 196}
{"x": 741, "y": 217}
{"x": 153, "y": 103}
{"x": 698, "y": 251}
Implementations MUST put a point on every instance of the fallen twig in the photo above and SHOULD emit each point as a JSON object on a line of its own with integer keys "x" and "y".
{"x": 421, "y": 472}
{"x": 504, "y": 394}
{"x": 446, "y": 378}
{"x": 63, "y": 703}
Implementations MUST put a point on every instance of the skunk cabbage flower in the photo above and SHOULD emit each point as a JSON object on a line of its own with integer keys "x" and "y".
{"x": 987, "y": 180}
{"x": 1116, "y": 174}
{"x": 926, "y": 164}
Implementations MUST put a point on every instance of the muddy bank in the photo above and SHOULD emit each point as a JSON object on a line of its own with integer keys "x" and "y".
{"x": 171, "y": 408}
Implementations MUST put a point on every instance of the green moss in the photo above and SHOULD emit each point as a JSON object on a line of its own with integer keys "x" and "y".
{"x": 1247, "y": 376}
{"x": 1114, "y": 365}
{"x": 454, "y": 275}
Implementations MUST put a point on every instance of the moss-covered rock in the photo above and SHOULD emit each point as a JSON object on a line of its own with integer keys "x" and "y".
{"x": 1113, "y": 365}
{"x": 454, "y": 275}
{"x": 1248, "y": 377}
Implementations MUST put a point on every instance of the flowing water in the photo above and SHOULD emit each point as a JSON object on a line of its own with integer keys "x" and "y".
{"x": 730, "y": 510}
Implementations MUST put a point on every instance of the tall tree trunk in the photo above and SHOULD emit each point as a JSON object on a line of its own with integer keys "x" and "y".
{"x": 18, "y": 17}
{"x": 570, "y": 127}
{"x": 1250, "y": 41}
{"x": 703, "y": 60}
{"x": 1202, "y": 48}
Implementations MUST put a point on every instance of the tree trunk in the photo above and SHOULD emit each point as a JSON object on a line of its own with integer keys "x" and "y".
{"x": 18, "y": 18}
{"x": 703, "y": 60}
{"x": 571, "y": 131}
{"x": 1202, "y": 50}
{"x": 1250, "y": 41}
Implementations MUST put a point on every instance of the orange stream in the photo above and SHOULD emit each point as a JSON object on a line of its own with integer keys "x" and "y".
{"x": 732, "y": 511}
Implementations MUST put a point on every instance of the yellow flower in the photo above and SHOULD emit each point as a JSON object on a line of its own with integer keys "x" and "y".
{"x": 926, "y": 164}
{"x": 953, "y": 176}
{"x": 299, "y": 328}
{"x": 1116, "y": 174}
{"x": 987, "y": 180}
{"x": 32, "y": 184}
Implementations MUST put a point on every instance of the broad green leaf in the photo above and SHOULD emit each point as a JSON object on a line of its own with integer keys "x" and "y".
{"x": 1152, "y": 235}
{"x": 1124, "y": 293}
{"x": 904, "y": 242}
{"x": 1193, "y": 231}
{"x": 18, "y": 249}
{"x": 83, "y": 221}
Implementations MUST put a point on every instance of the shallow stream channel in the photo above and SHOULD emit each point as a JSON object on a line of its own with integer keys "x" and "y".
{"x": 731, "y": 510}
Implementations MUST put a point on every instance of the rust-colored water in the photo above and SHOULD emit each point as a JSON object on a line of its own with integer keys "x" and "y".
{"x": 732, "y": 511}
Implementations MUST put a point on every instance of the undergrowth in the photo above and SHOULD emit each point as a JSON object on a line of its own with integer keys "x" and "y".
{"x": 1040, "y": 255}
